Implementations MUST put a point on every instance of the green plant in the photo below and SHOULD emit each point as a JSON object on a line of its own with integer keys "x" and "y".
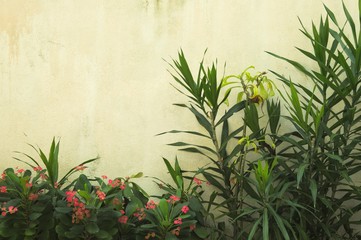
{"x": 232, "y": 160}
{"x": 32, "y": 196}
{"x": 272, "y": 211}
{"x": 189, "y": 188}
{"x": 169, "y": 219}
{"x": 35, "y": 205}
{"x": 26, "y": 206}
{"x": 102, "y": 210}
{"x": 51, "y": 164}
{"x": 309, "y": 194}
{"x": 322, "y": 153}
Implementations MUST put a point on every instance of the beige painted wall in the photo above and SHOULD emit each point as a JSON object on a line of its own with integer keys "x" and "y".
{"x": 91, "y": 71}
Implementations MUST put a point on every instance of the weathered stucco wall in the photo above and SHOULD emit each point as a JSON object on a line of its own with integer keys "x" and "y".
{"x": 92, "y": 72}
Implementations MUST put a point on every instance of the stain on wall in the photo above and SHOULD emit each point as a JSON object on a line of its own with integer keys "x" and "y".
{"x": 92, "y": 72}
{"x": 15, "y": 19}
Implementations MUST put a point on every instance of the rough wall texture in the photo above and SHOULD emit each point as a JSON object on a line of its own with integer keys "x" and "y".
{"x": 92, "y": 72}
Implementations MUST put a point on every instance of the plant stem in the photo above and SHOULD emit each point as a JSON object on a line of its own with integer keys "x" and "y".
{"x": 214, "y": 137}
{"x": 240, "y": 188}
{"x": 231, "y": 205}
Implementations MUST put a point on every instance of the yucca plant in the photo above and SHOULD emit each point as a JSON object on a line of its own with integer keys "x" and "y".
{"x": 231, "y": 150}
{"x": 51, "y": 164}
{"x": 271, "y": 210}
{"x": 323, "y": 152}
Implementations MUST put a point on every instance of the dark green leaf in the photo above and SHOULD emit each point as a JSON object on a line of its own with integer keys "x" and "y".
{"x": 92, "y": 228}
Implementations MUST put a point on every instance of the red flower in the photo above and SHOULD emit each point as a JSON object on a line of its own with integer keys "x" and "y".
{"x": 114, "y": 183}
{"x": 3, "y": 189}
{"x": 37, "y": 169}
{"x": 80, "y": 168}
{"x": 140, "y": 214}
{"x": 197, "y": 181}
{"x": 13, "y": 209}
{"x": 101, "y": 195}
{"x": 79, "y": 210}
{"x": 43, "y": 176}
{"x": 33, "y": 196}
{"x": 178, "y": 221}
{"x": 70, "y": 195}
{"x": 123, "y": 219}
{"x": 4, "y": 212}
{"x": 185, "y": 209}
{"x": 173, "y": 199}
{"x": 151, "y": 205}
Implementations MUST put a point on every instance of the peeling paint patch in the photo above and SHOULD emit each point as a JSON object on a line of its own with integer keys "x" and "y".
{"x": 15, "y": 18}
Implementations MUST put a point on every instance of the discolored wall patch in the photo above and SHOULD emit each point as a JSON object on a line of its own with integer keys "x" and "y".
{"x": 15, "y": 19}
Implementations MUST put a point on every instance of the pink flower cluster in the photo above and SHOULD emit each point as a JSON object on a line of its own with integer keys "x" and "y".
{"x": 116, "y": 183}
{"x": 70, "y": 196}
{"x": 33, "y": 196}
{"x": 3, "y": 189}
{"x": 124, "y": 218}
{"x": 199, "y": 182}
{"x": 139, "y": 214}
{"x": 173, "y": 199}
{"x": 151, "y": 205}
{"x": 37, "y": 169}
{"x": 80, "y": 168}
{"x": 43, "y": 176}
{"x": 79, "y": 210}
{"x": 178, "y": 221}
{"x": 10, "y": 209}
{"x": 28, "y": 185}
{"x": 19, "y": 170}
{"x": 101, "y": 195}
{"x": 185, "y": 209}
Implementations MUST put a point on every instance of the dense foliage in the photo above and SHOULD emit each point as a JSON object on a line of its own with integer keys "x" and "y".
{"x": 290, "y": 184}
{"x": 264, "y": 181}
{"x": 35, "y": 206}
